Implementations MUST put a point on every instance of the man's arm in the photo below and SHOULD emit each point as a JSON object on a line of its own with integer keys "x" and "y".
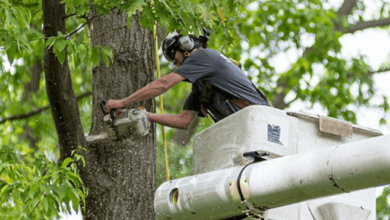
{"x": 157, "y": 87}
{"x": 180, "y": 121}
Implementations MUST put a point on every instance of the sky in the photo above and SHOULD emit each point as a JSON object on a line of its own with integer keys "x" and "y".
{"x": 373, "y": 43}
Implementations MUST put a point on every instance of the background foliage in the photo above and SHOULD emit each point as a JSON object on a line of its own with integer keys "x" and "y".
{"x": 256, "y": 35}
{"x": 33, "y": 187}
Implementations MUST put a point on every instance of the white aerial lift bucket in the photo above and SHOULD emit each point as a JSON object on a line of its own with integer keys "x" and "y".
{"x": 317, "y": 168}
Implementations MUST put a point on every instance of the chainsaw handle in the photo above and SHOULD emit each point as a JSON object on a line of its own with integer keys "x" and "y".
{"x": 103, "y": 106}
{"x": 112, "y": 116}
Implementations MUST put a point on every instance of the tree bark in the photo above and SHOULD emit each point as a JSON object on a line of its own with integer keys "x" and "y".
{"x": 59, "y": 87}
{"x": 121, "y": 175}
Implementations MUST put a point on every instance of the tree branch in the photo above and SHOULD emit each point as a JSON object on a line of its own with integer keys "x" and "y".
{"x": 63, "y": 18}
{"x": 75, "y": 31}
{"x": 88, "y": 20}
{"x": 39, "y": 110}
{"x": 369, "y": 24}
{"x": 382, "y": 70}
{"x": 346, "y": 7}
{"x": 290, "y": 102}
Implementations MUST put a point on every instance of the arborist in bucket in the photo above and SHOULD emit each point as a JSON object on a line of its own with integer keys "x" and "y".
{"x": 219, "y": 87}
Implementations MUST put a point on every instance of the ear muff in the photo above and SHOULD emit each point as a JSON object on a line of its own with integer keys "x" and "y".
{"x": 186, "y": 43}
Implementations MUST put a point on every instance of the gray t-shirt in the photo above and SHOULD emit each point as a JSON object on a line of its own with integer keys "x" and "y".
{"x": 211, "y": 66}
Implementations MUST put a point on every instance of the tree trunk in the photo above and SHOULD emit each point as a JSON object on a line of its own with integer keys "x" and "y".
{"x": 121, "y": 175}
{"x": 59, "y": 87}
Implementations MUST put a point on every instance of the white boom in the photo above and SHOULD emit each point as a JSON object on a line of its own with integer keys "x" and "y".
{"x": 277, "y": 182}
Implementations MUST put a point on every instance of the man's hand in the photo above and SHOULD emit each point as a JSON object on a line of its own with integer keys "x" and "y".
{"x": 114, "y": 104}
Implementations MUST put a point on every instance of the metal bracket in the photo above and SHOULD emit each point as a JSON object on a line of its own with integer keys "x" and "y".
{"x": 335, "y": 126}
{"x": 251, "y": 210}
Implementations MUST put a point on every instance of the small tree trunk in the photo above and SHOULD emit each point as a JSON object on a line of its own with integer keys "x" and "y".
{"x": 121, "y": 175}
{"x": 59, "y": 87}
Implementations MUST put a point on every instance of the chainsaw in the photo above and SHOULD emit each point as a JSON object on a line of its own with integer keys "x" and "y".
{"x": 123, "y": 123}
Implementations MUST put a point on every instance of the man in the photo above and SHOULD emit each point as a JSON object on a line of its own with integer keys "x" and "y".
{"x": 219, "y": 87}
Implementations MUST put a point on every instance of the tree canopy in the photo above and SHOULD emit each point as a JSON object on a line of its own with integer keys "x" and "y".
{"x": 256, "y": 34}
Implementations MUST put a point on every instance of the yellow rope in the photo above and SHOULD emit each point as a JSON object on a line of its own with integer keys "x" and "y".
{"x": 161, "y": 102}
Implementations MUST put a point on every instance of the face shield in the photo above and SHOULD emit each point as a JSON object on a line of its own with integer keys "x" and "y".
{"x": 169, "y": 52}
{"x": 169, "y": 46}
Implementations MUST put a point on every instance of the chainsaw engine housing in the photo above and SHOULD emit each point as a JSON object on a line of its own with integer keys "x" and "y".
{"x": 127, "y": 123}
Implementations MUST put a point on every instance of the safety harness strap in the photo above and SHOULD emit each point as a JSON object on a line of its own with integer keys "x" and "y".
{"x": 205, "y": 99}
{"x": 209, "y": 92}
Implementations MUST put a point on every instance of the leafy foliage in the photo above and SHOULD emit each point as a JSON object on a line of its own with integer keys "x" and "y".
{"x": 17, "y": 71}
{"x": 382, "y": 205}
{"x": 34, "y": 187}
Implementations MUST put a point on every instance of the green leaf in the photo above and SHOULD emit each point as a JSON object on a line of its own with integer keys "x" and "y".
{"x": 33, "y": 202}
{"x": 95, "y": 57}
{"x": 3, "y": 190}
{"x": 45, "y": 204}
{"x": 66, "y": 162}
{"x": 61, "y": 191}
{"x": 11, "y": 53}
{"x": 31, "y": 194}
{"x": 60, "y": 56}
{"x": 101, "y": 9}
{"x": 50, "y": 41}
{"x": 105, "y": 59}
{"x": 60, "y": 44}
{"x": 83, "y": 51}
{"x": 82, "y": 10}
{"x": 60, "y": 34}
{"x": 82, "y": 196}
{"x": 76, "y": 180}
{"x": 74, "y": 199}
{"x": 136, "y": 6}
{"x": 42, "y": 188}
{"x": 221, "y": 15}
{"x": 9, "y": 41}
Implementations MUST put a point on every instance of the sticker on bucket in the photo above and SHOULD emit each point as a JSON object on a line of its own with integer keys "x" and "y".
{"x": 274, "y": 134}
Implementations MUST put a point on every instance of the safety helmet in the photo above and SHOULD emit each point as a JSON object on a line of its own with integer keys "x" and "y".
{"x": 177, "y": 42}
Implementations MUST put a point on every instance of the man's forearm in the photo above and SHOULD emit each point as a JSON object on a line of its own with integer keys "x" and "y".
{"x": 150, "y": 91}
{"x": 174, "y": 121}
{"x": 157, "y": 87}
{"x": 154, "y": 89}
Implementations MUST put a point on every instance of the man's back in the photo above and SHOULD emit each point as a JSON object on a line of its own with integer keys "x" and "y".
{"x": 208, "y": 66}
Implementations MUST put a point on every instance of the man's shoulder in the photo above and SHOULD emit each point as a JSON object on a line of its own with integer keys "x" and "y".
{"x": 203, "y": 56}
{"x": 210, "y": 52}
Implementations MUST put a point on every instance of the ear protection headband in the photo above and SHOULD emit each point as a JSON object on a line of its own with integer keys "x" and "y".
{"x": 186, "y": 43}
{"x": 177, "y": 42}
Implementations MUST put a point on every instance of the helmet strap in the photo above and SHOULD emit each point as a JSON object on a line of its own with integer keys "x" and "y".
{"x": 187, "y": 54}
